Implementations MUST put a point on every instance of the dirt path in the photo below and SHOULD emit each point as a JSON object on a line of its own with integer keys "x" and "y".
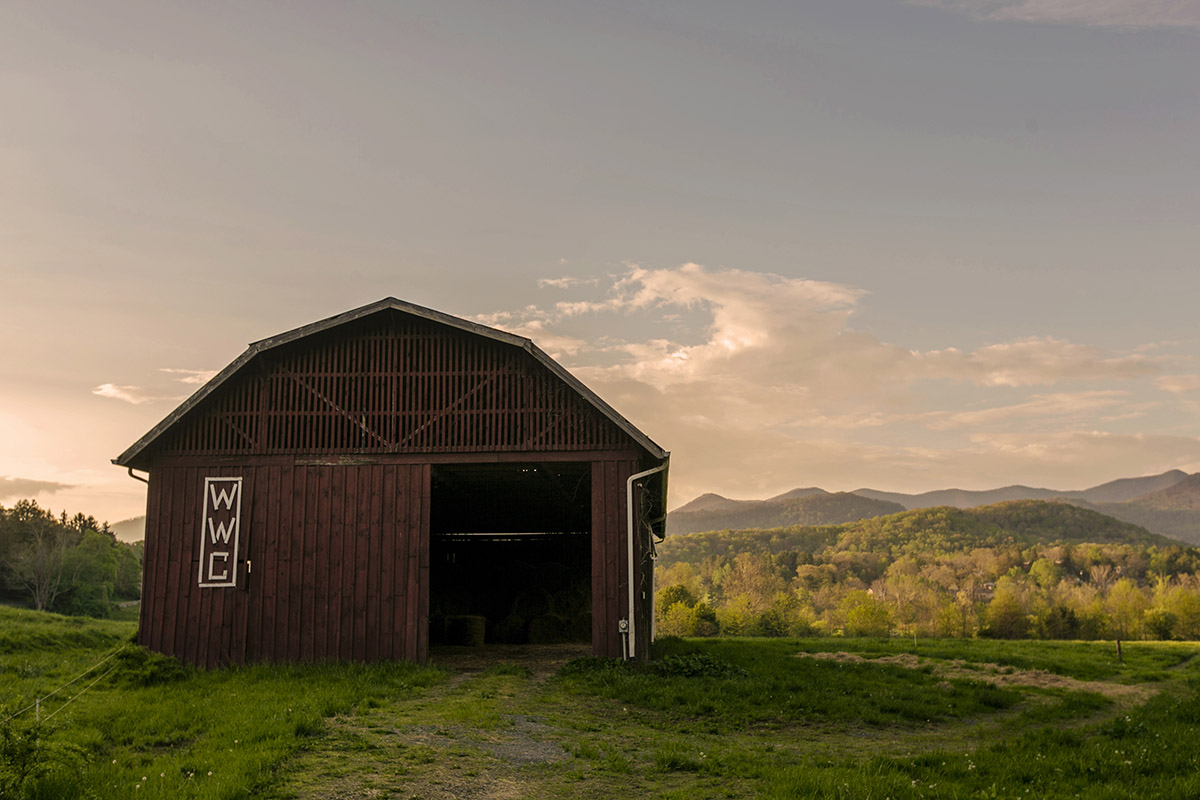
{"x": 1000, "y": 675}
{"x": 500, "y": 727}
{"x": 469, "y": 737}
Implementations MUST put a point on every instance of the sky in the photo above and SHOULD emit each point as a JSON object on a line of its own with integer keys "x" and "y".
{"x": 903, "y": 244}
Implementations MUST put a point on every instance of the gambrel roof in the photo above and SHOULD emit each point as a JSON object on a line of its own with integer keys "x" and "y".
{"x": 135, "y": 456}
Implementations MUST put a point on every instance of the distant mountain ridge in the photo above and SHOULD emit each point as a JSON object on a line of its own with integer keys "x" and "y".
{"x": 1167, "y": 504}
{"x": 129, "y": 530}
{"x": 1118, "y": 491}
{"x": 1173, "y": 511}
{"x": 797, "y": 507}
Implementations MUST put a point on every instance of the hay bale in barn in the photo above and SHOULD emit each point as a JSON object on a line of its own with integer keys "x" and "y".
{"x": 581, "y": 627}
{"x": 437, "y": 629}
{"x": 550, "y": 629}
{"x": 531, "y": 602}
{"x": 510, "y": 630}
{"x": 466, "y": 629}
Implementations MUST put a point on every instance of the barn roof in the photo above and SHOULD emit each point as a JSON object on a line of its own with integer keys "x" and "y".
{"x": 131, "y": 456}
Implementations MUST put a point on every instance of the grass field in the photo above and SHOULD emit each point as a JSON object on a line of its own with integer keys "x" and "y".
{"x": 845, "y": 718}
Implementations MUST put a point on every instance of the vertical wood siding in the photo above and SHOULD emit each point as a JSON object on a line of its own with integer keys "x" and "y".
{"x": 610, "y": 582}
{"x": 339, "y": 561}
{"x": 393, "y": 384}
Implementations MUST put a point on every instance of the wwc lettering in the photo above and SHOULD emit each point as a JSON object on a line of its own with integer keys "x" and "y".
{"x": 219, "y": 528}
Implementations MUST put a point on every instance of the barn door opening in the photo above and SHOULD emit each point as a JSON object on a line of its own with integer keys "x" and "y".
{"x": 510, "y": 553}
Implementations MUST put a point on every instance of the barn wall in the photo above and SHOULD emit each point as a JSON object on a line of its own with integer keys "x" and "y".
{"x": 610, "y": 559}
{"x": 339, "y": 564}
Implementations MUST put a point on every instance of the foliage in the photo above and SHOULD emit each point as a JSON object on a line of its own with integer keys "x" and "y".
{"x": 1010, "y": 570}
{"x": 73, "y": 565}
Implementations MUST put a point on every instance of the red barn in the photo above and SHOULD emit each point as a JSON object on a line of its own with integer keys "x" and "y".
{"x": 348, "y": 489}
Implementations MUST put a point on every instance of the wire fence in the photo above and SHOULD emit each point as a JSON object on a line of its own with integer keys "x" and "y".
{"x": 36, "y": 705}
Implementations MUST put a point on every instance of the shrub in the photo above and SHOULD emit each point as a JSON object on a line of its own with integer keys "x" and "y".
{"x": 141, "y": 667}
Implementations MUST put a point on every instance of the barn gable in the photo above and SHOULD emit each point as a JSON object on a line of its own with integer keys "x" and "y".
{"x": 391, "y": 378}
{"x": 341, "y": 490}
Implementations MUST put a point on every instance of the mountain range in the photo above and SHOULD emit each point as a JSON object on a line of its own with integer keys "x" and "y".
{"x": 1167, "y": 504}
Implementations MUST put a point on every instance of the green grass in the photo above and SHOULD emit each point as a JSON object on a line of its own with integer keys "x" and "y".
{"x": 777, "y": 688}
{"x": 1143, "y": 661}
{"x": 732, "y": 718}
{"x": 187, "y": 734}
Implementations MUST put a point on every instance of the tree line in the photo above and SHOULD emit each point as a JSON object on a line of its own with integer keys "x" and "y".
{"x": 70, "y": 565}
{"x": 942, "y": 572}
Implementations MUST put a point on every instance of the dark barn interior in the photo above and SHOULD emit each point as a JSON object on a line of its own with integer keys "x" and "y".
{"x": 510, "y": 553}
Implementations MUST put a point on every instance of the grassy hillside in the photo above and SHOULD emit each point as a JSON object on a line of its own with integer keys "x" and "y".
{"x": 788, "y": 509}
{"x": 821, "y": 718}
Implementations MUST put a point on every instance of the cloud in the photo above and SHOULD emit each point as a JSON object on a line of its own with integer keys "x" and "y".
{"x": 1057, "y": 409}
{"x": 1035, "y": 361}
{"x": 565, "y": 282}
{"x": 777, "y": 350}
{"x": 1082, "y": 448}
{"x": 1045, "y": 406}
{"x": 1130, "y": 14}
{"x": 1179, "y": 384}
{"x": 27, "y": 487}
{"x": 192, "y": 377}
{"x": 129, "y": 394}
{"x": 760, "y": 382}
{"x": 139, "y": 395}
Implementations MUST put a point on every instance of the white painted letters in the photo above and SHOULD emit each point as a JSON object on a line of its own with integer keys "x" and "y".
{"x": 219, "y": 529}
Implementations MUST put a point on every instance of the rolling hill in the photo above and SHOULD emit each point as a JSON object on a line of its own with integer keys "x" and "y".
{"x": 1118, "y": 491}
{"x": 129, "y": 530}
{"x": 797, "y": 507}
{"x": 1173, "y": 511}
{"x": 924, "y": 531}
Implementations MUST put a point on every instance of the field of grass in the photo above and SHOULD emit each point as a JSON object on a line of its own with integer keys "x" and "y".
{"x": 732, "y": 718}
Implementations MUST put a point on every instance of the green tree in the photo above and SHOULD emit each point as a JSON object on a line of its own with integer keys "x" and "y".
{"x": 40, "y": 561}
{"x": 92, "y": 569}
{"x": 1126, "y": 603}
{"x": 1006, "y": 616}
{"x": 1045, "y": 573}
{"x": 864, "y": 615}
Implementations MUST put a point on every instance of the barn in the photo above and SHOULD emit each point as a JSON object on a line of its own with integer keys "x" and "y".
{"x": 362, "y": 486}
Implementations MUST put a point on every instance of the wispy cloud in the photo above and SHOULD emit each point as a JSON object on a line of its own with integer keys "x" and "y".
{"x": 1131, "y": 14}
{"x": 128, "y": 394}
{"x": 1179, "y": 384}
{"x": 1058, "y": 406}
{"x": 140, "y": 395}
{"x": 1036, "y": 361}
{"x": 27, "y": 487}
{"x": 192, "y": 377}
{"x": 565, "y": 282}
